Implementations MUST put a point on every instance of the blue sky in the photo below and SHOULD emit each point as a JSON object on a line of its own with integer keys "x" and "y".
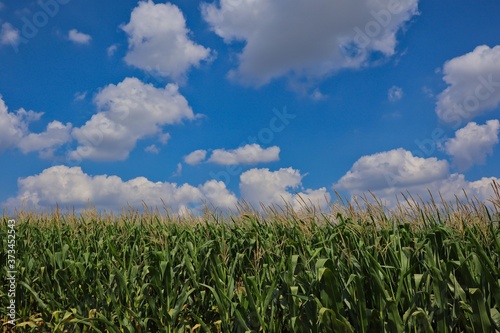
{"x": 122, "y": 102}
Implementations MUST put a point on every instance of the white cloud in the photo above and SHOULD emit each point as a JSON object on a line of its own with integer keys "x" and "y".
{"x": 398, "y": 166}
{"x": 152, "y": 149}
{"x": 8, "y": 34}
{"x": 449, "y": 188}
{"x": 111, "y": 50}
{"x": 395, "y": 94}
{"x": 79, "y": 37}
{"x": 128, "y": 112}
{"x": 307, "y": 38}
{"x": 473, "y": 143}
{"x": 388, "y": 174}
{"x": 196, "y": 157}
{"x": 163, "y": 138}
{"x": 80, "y": 96}
{"x": 473, "y": 85}
{"x": 56, "y": 135}
{"x": 72, "y": 187}
{"x": 215, "y": 193}
{"x": 14, "y": 126}
{"x": 248, "y": 154}
{"x": 14, "y": 132}
{"x": 276, "y": 187}
{"x": 159, "y": 40}
{"x": 178, "y": 171}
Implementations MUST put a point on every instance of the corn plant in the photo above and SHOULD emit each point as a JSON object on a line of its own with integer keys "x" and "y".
{"x": 422, "y": 267}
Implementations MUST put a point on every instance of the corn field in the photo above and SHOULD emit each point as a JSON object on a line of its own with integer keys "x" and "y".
{"x": 421, "y": 267}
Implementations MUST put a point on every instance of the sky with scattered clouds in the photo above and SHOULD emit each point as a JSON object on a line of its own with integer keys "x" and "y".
{"x": 178, "y": 103}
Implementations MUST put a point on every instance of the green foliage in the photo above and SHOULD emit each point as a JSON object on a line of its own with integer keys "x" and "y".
{"x": 284, "y": 272}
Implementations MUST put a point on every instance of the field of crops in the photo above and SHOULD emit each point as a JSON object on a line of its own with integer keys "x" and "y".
{"x": 418, "y": 268}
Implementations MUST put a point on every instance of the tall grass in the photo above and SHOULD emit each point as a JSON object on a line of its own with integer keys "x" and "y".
{"x": 422, "y": 267}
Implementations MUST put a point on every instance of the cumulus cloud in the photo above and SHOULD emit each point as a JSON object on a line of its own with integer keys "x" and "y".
{"x": 276, "y": 187}
{"x": 248, "y": 154}
{"x": 72, "y": 187}
{"x": 14, "y": 126}
{"x": 450, "y": 188}
{"x": 388, "y": 174}
{"x": 158, "y": 40}
{"x": 15, "y": 133}
{"x": 8, "y": 34}
{"x": 473, "y": 143}
{"x": 56, "y": 135}
{"x": 398, "y": 166}
{"x": 473, "y": 85}
{"x": 196, "y": 157}
{"x": 128, "y": 112}
{"x": 307, "y": 38}
{"x": 394, "y": 94}
{"x": 79, "y": 37}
